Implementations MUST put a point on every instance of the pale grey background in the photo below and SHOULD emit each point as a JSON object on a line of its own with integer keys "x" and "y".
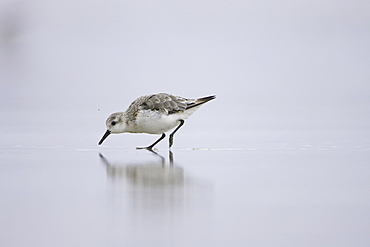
{"x": 280, "y": 158}
{"x": 305, "y": 60}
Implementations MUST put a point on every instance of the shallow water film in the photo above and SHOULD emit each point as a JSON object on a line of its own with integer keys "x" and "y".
{"x": 307, "y": 194}
{"x": 280, "y": 158}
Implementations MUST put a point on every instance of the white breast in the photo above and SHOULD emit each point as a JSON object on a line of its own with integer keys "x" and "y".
{"x": 155, "y": 122}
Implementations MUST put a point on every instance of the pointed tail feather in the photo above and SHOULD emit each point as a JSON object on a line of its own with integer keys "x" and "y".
{"x": 200, "y": 101}
{"x": 208, "y": 98}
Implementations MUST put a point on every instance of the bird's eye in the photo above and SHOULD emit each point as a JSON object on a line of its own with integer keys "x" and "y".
{"x": 114, "y": 123}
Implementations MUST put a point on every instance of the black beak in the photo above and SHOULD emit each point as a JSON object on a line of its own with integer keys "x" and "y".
{"x": 107, "y": 133}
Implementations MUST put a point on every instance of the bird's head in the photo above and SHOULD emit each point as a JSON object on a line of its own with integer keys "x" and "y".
{"x": 116, "y": 123}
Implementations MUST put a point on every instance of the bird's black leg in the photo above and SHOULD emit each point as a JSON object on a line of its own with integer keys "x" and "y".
{"x": 178, "y": 127}
{"x": 155, "y": 143}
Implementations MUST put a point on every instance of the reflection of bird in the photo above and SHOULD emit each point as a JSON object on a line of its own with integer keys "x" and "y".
{"x": 149, "y": 174}
{"x": 154, "y": 114}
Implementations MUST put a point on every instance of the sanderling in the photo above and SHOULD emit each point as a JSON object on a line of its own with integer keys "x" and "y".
{"x": 154, "y": 114}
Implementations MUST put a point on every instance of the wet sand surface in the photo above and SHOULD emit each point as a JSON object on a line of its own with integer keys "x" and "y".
{"x": 275, "y": 193}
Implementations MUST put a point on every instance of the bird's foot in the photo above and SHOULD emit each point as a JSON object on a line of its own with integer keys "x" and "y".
{"x": 150, "y": 148}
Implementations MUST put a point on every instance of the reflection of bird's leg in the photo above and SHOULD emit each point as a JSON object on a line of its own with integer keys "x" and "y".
{"x": 171, "y": 158}
{"x": 178, "y": 127}
{"x": 160, "y": 156}
{"x": 150, "y": 148}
